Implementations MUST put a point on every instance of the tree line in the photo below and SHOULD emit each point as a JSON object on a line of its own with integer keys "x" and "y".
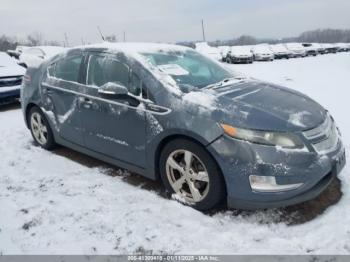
{"x": 34, "y": 39}
{"x": 314, "y": 36}
{"x": 317, "y": 36}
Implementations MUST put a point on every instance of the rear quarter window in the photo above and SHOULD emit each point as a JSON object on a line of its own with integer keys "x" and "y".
{"x": 67, "y": 69}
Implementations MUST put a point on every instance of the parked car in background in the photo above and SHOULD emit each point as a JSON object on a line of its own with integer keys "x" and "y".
{"x": 343, "y": 47}
{"x": 10, "y": 79}
{"x": 262, "y": 53}
{"x": 319, "y": 47}
{"x": 330, "y": 48}
{"x": 348, "y": 46}
{"x": 223, "y": 52}
{"x": 17, "y": 52}
{"x": 280, "y": 51}
{"x": 240, "y": 54}
{"x": 297, "y": 49}
{"x": 311, "y": 50}
{"x": 209, "y": 51}
{"x": 34, "y": 56}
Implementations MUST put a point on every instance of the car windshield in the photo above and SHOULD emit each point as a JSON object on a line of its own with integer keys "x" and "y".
{"x": 189, "y": 67}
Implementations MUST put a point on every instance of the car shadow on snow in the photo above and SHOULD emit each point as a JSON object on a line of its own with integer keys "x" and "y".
{"x": 293, "y": 215}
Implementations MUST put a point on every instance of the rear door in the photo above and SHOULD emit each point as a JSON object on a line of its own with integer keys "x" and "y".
{"x": 60, "y": 87}
{"x": 113, "y": 126}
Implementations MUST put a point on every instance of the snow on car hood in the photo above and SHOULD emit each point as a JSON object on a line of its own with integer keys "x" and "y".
{"x": 9, "y": 67}
{"x": 264, "y": 106}
{"x": 11, "y": 71}
{"x": 241, "y": 51}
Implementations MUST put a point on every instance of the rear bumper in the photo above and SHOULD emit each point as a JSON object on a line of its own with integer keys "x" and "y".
{"x": 238, "y": 160}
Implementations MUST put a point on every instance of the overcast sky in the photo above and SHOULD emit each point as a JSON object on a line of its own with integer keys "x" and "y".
{"x": 169, "y": 20}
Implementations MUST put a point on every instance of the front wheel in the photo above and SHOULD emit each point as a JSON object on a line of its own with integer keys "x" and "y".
{"x": 188, "y": 171}
{"x": 40, "y": 129}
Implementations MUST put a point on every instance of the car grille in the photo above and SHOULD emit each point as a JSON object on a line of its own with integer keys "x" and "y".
{"x": 10, "y": 81}
{"x": 324, "y": 138}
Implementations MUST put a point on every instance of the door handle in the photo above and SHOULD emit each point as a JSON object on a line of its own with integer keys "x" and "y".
{"x": 86, "y": 102}
{"x": 49, "y": 91}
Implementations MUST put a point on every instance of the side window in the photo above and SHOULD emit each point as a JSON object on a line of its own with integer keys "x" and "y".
{"x": 102, "y": 70}
{"x": 66, "y": 69}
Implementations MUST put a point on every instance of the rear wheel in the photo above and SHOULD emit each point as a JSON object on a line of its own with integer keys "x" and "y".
{"x": 188, "y": 171}
{"x": 40, "y": 129}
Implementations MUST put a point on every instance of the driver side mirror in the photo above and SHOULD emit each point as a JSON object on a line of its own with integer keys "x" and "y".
{"x": 113, "y": 89}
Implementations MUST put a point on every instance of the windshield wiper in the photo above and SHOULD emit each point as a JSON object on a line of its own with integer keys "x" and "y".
{"x": 223, "y": 82}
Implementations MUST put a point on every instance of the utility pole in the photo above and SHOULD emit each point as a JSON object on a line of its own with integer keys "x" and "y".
{"x": 203, "y": 30}
{"x": 124, "y": 36}
{"x": 66, "y": 39}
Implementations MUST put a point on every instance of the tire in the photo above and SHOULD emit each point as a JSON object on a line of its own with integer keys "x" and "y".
{"x": 212, "y": 188}
{"x": 40, "y": 129}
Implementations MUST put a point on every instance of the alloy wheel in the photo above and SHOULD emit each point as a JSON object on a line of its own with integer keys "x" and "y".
{"x": 187, "y": 175}
{"x": 39, "y": 128}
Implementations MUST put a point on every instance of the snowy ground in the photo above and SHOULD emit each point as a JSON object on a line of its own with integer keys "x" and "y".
{"x": 65, "y": 203}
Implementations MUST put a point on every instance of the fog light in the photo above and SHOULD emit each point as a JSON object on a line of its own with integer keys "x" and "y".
{"x": 268, "y": 184}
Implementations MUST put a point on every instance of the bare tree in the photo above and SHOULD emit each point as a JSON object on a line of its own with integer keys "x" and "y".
{"x": 7, "y": 43}
{"x": 34, "y": 39}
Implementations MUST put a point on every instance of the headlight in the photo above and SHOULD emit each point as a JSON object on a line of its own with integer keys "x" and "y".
{"x": 263, "y": 137}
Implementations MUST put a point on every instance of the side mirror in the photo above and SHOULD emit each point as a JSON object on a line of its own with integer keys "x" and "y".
{"x": 113, "y": 89}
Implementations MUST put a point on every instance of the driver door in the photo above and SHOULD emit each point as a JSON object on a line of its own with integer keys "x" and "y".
{"x": 113, "y": 126}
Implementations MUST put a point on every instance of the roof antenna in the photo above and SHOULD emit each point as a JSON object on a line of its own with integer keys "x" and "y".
{"x": 99, "y": 30}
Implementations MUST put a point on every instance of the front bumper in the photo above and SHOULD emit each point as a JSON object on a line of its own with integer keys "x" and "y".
{"x": 242, "y": 59}
{"x": 263, "y": 58}
{"x": 297, "y": 54}
{"x": 282, "y": 55}
{"x": 9, "y": 94}
{"x": 240, "y": 159}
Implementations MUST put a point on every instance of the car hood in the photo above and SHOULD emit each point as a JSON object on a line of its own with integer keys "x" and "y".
{"x": 11, "y": 71}
{"x": 263, "y": 106}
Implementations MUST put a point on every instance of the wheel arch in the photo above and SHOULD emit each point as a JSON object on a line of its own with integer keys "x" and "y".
{"x": 27, "y": 110}
{"x": 172, "y": 137}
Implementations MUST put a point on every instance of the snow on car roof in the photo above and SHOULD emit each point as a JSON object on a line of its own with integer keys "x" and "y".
{"x": 49, "y": 51}
{"x": 137, "y": 47}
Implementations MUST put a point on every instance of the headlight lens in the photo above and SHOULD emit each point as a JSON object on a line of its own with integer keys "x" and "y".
{"x": 263, "y": 137}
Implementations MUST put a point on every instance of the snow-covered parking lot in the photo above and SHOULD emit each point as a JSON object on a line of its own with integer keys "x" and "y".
{"x": 62, "y": 203}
